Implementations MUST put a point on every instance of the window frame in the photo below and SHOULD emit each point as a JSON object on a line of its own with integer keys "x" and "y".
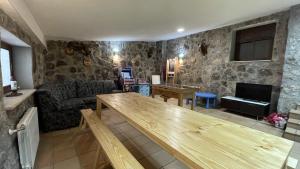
{"x": 232, "y": 56}
{"x": 8, "y": 47}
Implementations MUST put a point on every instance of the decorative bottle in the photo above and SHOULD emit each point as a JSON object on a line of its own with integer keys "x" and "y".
{"x": 13, "y": 84}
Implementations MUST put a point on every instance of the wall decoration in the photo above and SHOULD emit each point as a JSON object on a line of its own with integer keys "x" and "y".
{"x": 83, "y": 49}
{"x": 87, "y": 61}
{"x": 172, "y": 65}
{"x": 203, "y": 47}
{"x": 150, "y": 52}
{"x": 171, "y": 70}
{"x": 69, "y": 51}
{"x": 79, "y": 47}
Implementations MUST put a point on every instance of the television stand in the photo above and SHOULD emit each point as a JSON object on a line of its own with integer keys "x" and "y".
{"x": 246, "y": 106}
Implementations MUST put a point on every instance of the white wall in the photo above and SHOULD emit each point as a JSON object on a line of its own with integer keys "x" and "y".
{"x": 22, "y": 65}
{"x": 23, "y": 11}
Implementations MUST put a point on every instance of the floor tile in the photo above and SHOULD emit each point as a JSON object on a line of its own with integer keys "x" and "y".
{"x": 160, "y": 158}
{"x": 72, "y": 163}
{"x": 115, "y": 130}
{"x": 132, "y": 133}
{"x": 75, "y": 148}
{"x": 141, "y": 140}
{"x": 137, "y": 153}
{"x": 175, "y": 165}
{"x": 60, "y": 132}
{"x": 45, "y": 146}
{"x": 84, "y": 143}
{"x": 87, "y": 158}
{"x": 125, "y": 127}
{"x": 63, "y": 145}
{"x": 150, "y": 148}
{"x": 129, "y": 144}
{"x": 47, "y": 167}
{"x": 63, "y": 155}
{"x": 62, "y": 138}
{"x": 295, "y": 153}
{"x": 147, "y": 164}
{"x": 122, "y": 136}
{"x": 44, "y": 158}
{"x": 264, "y": 128}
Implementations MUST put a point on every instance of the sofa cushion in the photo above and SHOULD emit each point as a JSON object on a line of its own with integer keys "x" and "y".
{"x": 74, "y": 103}
{"x": 61, "y": 90}
{"x": 54, "y": 90}
{"x": 108, "y": 86}
{"x": 84, "y": 89}
{"x": 89, "y": 88}
{"x": 70, "y": 88}
{"x": 89, "y": 100}
{"x": 97, "y": 86}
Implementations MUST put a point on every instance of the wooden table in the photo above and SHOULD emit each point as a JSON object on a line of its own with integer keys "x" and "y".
{"x": 198, "y": 140}
{"x": 167, "y": 91}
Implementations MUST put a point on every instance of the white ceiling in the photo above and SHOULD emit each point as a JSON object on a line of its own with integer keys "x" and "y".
{"x": 150, "y": 20}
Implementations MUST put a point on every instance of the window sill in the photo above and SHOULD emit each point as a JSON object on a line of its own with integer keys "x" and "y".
{"x": 11, "y": 103}
{"x": 251, "y": 61}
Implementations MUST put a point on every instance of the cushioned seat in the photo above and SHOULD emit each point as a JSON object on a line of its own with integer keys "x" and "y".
{"x": 74, "y": 103}
{"x": 88, "y": 100}
{"x": 59, "y": 103}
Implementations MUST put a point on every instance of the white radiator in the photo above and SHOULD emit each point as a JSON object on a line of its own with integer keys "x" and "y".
{"x": 28, "y": 138}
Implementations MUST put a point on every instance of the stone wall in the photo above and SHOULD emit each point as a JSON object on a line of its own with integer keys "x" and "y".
{"x": 9, "y": 156}
{"x": 65, "y": 59}
{"x": 290, "y": 93}
{"x": 215, "y": 72}
{"x": 9, "y": 152}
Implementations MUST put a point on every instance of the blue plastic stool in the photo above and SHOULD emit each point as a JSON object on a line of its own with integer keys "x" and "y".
{"x": 207, "y": 96}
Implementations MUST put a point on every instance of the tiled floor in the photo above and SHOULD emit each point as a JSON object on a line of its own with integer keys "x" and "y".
{"x": 75, "y": 149}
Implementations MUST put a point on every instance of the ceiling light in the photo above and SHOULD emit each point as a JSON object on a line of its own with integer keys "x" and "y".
{"x": 116, "y": 49}
{"x": 181, "y": 55}
{"x": 180, "y": 30}
{"x": 116, "y": 58}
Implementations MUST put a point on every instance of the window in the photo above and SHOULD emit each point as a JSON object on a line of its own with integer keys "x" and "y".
{"x": 6, "y": 66}
{"x": 255, "y": 43}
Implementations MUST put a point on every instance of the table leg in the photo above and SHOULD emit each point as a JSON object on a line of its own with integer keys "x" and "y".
{"x": 165, "y": 99}
{"x": 207, "y": 103}
{"x": 180, "y": 100}
{"x": 82, "y": 124}
{"x": 192, "y": 104}
{"x": 99, "y": 108}
{"x": 195, "y": 101}
{"x": 215, "y": 102}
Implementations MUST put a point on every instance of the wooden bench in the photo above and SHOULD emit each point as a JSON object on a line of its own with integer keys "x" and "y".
{"x": 119, "y": 157}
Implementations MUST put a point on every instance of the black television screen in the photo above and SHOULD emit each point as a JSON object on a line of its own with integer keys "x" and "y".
{"x": 254, "y": 91}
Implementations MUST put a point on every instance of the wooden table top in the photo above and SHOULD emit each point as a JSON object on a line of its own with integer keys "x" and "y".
{"x": 173, "y": 88}
{"x": 199, "y": 140}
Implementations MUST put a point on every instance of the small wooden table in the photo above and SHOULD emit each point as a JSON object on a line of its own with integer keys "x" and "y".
{"x": 167, "y": 91}
{"x": 198, "y": 140}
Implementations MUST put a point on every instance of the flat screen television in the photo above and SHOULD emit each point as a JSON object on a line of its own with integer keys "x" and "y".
{"x": 256, "y": 92}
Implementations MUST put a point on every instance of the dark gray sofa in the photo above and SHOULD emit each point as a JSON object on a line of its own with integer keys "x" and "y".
{"x": 59, "y": 103}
